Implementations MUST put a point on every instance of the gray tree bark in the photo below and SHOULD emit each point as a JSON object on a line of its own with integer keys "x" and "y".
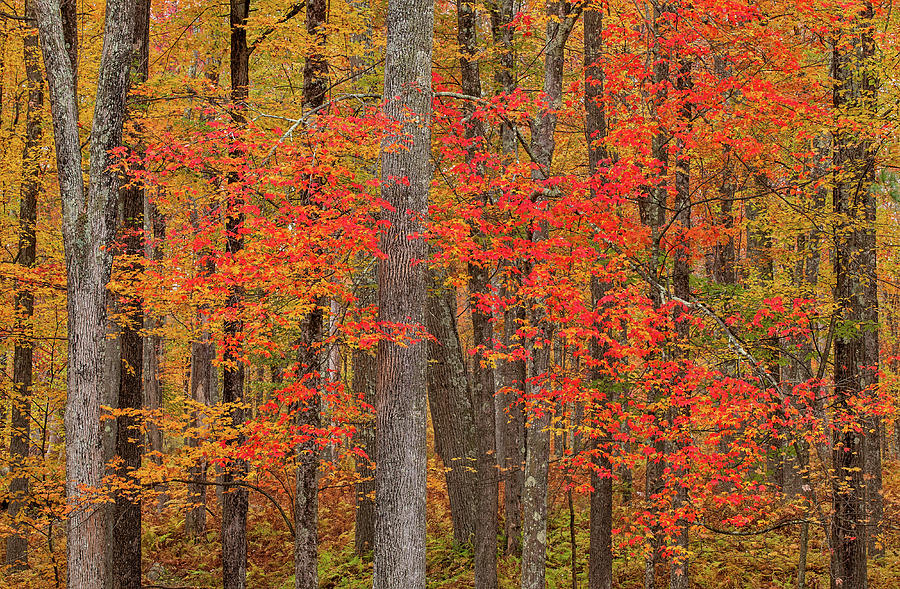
{"x": 487, "y": 489}
{"x": 449, "y": 399}
{"x": 400, "y": 388}
{"x": 562, "y": 18}
{"x": 88, "y": 219}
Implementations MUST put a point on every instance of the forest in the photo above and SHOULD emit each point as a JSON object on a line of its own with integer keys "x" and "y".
{"x": 449, "y": 293}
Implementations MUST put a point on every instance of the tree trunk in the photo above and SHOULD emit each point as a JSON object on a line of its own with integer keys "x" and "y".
{"x": 513, "y": 375}
{"x": 306, "y": 507}
{"x": 652, "y": 208}
{"x": 155, "y": 229}
{"x": 449, "y": 399}
{"x": 400, "y": 392}
{"x": 235, "y": 498}
{"x": 679, "y": 577}
{"x": 561, "y": 20}
{"x": 364, "y": 385}
{"x": 202, "y": 383}
{"x": 856, "y": 489}
{"x": 600, "y": 557}
{"x": 20, "y": 422}
{"x": 88, "y": 231}
{"x": 487, "y": 489}
{"x": 129, "y": 437}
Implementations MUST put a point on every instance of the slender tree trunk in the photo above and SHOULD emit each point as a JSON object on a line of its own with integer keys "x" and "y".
{"x": 513, "y": 375}
{"x": 449, "y": 399}
{"x": 20, "y": 422}
{"x": 235, "y": 498}
{"x": 487, "y": 490}
{"x": 202, "y": 383}
{"x": 400, "y": 392}
{"x": 306, "y": 507}
{"x": 155, "y": 229}
{"x": 129, "y": 437}
{"x": 679, "y": 577}
{"x": 652, "y": 207}
{"x": 857, "y": 501}
{"x": 88, "y": 230}
{"x": 561, "y": 19}
{"x": 512, "y": 372}
{"x": 600, "y": 557}
{"x": 364, "y": 386}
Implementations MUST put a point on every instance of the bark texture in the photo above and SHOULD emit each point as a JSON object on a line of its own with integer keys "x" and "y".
{"x": 449, "y": 399}
{"x": 856, "y": 449}
{"x": 129, "y": 437}
{"x": 309, "y": 418}
{"x": 89, "y": 220}
{"x": 487, "y": 489}
{"x": 20, "y": 420}
{"x": 235, "y": 498}
{"x": 600, "y": 557}
{"x": 561, "y": 19}
{"x": 400, "y": 389}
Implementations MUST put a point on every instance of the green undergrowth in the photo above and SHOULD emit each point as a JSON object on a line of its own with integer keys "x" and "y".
{"x": 718, "y": 561}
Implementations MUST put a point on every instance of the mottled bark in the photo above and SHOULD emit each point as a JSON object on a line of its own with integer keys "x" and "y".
{"x": 511, "y": 373}
{"x": 20, "y": 420}
{"x": 88, "y": 223}
{"x": 306, "y": 497}
{"x": 400, "y": 392}
{"x": 562, "y": 18}
{"x": 449, "y": 399}
{"x": 856, "y": 486}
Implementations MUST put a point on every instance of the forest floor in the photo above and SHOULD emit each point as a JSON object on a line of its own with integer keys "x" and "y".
{"x": 718, "y": 561}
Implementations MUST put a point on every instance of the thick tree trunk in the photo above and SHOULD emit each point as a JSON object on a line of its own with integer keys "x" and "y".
{"x": 856, "y": 488}
{"x": 306, "y": 501}
{"x": 20, "y": 421}
{"x": 449, "y": 400}
{"x": 400, "y": 392}
{"x": 88, "y": 230}
{"x": 306, "y": 506}
{"x": 235, "y": 498}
